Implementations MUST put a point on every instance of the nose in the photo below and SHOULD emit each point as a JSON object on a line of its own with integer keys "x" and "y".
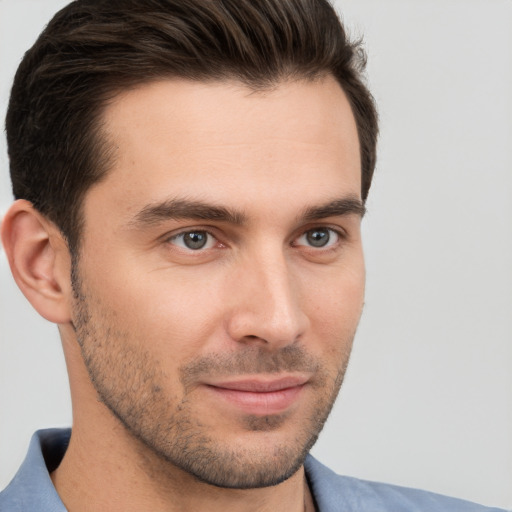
{"x": 266, "y": 303}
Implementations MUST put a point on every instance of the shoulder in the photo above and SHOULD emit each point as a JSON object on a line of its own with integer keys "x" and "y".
{"x": 333, "y": 492}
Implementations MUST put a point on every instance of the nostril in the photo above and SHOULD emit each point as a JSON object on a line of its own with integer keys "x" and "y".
{"x": 251, "y": 338}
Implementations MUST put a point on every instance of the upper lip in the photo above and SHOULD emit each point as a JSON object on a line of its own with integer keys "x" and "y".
{"x": 261, "y": 385}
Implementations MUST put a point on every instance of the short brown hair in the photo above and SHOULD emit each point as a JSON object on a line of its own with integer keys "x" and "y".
{"x": 93, "y": 49}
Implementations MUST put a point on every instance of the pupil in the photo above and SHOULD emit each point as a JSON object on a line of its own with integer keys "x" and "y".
{"x": 195, "y": 240}
{"x": 318, "y": 237}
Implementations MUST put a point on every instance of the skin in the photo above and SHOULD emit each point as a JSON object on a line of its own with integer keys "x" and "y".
{"x": 156, "y": 335}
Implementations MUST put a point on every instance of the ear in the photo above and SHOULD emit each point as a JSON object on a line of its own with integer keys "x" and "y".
{"x": 39, "y": 259}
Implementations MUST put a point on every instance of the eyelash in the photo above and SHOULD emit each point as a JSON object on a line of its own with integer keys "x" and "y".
{"x": 340, "y": 235}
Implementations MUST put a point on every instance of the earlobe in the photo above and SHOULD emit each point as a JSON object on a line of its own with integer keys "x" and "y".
{"x": 39, "y": 260}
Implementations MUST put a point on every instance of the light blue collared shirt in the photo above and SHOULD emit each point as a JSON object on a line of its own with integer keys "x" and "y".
{"x": 32, "y": 490}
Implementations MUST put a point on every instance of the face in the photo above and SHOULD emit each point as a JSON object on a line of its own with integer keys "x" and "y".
{"x": 220, "y": 278}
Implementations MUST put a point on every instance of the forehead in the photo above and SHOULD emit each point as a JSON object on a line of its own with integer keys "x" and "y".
{"x": 197, "y": 104}
{"x": 224, "y": 142}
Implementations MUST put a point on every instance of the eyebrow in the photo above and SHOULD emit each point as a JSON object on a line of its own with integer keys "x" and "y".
{"x": 178, "y": 209}
{"x": 336, "y": 208}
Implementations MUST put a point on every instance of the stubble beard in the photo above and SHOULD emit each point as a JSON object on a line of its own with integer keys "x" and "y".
{"x": 129, "y": 381}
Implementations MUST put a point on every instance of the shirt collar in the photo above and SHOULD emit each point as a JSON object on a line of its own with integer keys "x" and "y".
{"x": 32, "y": 490}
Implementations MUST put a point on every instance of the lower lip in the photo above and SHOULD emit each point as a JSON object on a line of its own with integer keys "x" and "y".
{"x": 260, "y": 403}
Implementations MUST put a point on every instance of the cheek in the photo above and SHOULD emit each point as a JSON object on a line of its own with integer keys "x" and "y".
{"x": 338, "y": 292}
{"x": 335, "y": 306}
{"x": 163, "y": 309}
{"x": 171, "y": 308}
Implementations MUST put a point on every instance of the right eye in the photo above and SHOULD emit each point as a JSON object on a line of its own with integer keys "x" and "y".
{"x": 194, "y": 240}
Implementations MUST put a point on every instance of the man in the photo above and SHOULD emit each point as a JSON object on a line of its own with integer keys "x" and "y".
{"x": 190, "y": 180}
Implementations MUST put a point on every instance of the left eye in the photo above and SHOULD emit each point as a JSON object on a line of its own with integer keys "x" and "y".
{"x": 318, "y": 237}
{"x": 193, "y": 240}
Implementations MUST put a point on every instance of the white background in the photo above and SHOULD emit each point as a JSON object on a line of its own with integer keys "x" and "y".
{"x": 428, "y": 397}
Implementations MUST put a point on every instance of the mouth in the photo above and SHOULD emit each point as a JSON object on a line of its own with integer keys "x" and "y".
{"x": 260, "y": 396}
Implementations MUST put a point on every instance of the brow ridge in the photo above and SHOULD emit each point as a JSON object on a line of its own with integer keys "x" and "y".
{"x": 335, "y": 208}
{"x": 176, "y": 209}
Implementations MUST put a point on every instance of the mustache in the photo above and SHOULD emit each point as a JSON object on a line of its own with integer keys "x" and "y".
{"x": 292, "y": 358}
